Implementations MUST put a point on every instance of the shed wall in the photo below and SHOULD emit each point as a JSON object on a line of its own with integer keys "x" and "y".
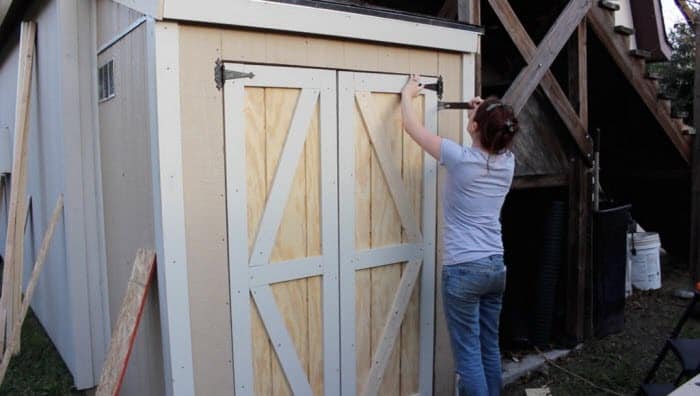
{"x": 112, "y": 19}
{"x": 127, "y": 185}
{"x": 68, "y": 299}
{"x": 203, "y": 160}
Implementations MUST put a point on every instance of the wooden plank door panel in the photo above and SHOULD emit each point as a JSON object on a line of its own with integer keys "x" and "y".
{"x": 387, "y": 221}
{"x": 282, "y": 198}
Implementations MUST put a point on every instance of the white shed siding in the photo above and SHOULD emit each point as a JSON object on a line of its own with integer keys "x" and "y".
{"x": 69, "y": 299}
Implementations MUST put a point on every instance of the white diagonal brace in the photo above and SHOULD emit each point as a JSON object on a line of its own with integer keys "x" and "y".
{"x": 391, "y": 174}
{"x": 392, "y": 327}
{"x": 281, "y": 340}
{"x": 284, "y": 175}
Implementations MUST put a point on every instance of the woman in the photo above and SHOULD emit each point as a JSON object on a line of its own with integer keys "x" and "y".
{"x": 473, "y": 275}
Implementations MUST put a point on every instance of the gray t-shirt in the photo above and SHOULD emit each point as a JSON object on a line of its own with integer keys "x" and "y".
{"x": 472, "y": 201}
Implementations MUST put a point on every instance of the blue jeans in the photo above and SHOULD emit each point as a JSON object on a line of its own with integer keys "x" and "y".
{"x": 472, "y": 295}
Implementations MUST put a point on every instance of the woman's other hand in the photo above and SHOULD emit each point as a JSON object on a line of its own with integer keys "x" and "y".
{"x": 413, "y": 86}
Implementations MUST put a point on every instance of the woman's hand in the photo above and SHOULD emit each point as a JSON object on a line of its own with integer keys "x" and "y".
{"x": 413, "y": 86}
{"x": 475, "y": 102}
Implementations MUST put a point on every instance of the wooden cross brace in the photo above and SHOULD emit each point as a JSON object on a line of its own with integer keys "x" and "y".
{"x": 540, "y": 59}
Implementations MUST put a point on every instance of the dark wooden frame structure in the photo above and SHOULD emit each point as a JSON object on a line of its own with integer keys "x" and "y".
{"x": 573, "y": 110}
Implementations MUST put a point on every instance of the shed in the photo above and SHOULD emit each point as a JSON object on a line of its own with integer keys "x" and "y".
{"x": 258, "y": 147}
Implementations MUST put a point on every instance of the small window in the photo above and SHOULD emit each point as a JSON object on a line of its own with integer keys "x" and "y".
{"x": 105, "y": 78}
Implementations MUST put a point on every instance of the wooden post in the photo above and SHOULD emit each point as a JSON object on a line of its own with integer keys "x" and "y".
{"x": 14, "y": 335}
{"x": 579, "y": 207}
{"x": 694, "y": 257}
{"x": 11, "y": 282}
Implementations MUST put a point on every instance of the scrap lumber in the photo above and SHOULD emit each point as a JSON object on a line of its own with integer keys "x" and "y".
{"x": 14, "y": 335}
{"x": 127, "y": 324}
{"x": 14, "y": 244}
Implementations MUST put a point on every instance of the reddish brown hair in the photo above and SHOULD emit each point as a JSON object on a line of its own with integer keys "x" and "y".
{"x": 497, "y": 125}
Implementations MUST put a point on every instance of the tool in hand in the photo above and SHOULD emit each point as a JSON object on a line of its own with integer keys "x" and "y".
{"x": 438, "y": 87}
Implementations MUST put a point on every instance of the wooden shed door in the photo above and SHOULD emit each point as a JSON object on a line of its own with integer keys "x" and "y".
{"x": 330, "y": 293}
{"x": 281, "y": 170}
{"x": 387, "y": 239}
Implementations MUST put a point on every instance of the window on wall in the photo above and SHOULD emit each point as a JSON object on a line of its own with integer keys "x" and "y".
{"x": 105, "y": 78}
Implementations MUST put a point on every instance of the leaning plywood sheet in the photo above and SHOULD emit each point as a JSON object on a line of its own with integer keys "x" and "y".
{"x": 127, "y": 325}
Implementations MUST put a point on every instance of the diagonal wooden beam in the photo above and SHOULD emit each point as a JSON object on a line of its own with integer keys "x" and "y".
{"x": 549, "y": 83}
{"x": 552, "y": 43}
{"x": 600, "y": 24}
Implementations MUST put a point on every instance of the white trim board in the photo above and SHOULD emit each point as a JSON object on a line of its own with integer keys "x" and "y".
{"x": 168, "y": 206}
{"x": 326, "y": 22}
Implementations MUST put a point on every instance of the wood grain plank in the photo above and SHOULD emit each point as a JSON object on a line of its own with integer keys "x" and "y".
{"x": 386, "y": 222}
{"x": 126, "y": 327}
{"x": 555, "y": 39}
{"x": 14, "y": 240}
{"x": 257, "y": 186}
{"x": 15, "y": 331}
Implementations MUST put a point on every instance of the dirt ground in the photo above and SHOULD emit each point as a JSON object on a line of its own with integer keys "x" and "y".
{"x": 619, "y": 362}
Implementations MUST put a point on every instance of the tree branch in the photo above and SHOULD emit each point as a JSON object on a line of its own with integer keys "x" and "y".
{"x": 689, "y": 12}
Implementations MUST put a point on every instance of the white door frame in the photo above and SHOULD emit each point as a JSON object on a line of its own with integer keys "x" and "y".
{"x": 252, "y": 276}
{"x": 355, "y": 88}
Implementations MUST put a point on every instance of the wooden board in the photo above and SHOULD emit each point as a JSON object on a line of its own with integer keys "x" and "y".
{"x": 15, "y": 331}
{"x": 14, "y": 244}
{"x": 127, "y": 325}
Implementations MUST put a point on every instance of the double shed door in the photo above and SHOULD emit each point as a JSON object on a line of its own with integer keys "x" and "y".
{"x": 331, "y": 230}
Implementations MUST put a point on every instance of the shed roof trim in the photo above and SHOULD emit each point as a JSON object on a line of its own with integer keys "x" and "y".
{"x": 322, "y": 21}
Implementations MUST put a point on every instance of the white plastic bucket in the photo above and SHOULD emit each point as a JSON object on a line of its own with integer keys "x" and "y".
{"x": 643, "y": 251}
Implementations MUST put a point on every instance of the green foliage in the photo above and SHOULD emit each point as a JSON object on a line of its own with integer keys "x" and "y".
{"x": 678, "y": 74}
{"x": 38, "y": 369}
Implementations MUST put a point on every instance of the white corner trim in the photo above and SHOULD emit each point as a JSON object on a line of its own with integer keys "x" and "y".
{"x": 169, "y": 210}
{"x": 303, "y": 19}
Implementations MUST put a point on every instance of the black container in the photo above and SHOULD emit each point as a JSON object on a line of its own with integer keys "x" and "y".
{"x": 551, "y": 259}
{"x": 610, "y": 257}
